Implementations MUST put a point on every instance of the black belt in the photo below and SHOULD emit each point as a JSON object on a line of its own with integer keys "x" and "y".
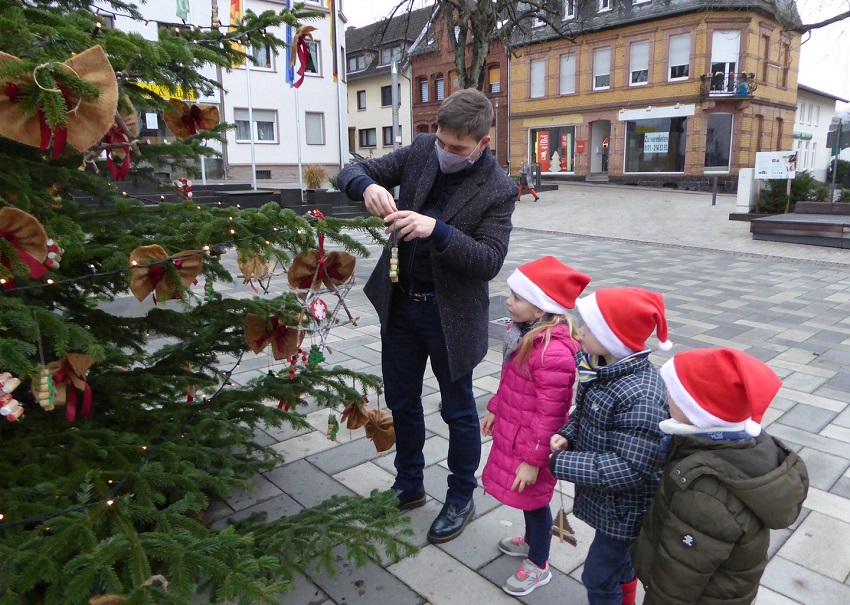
{"x": 418, "y": 296}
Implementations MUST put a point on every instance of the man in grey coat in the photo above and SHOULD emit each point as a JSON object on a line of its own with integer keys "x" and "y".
{"x": 452, "y": 222}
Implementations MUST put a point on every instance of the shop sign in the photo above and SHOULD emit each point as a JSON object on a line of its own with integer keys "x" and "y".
{"x": 656, "y": 142}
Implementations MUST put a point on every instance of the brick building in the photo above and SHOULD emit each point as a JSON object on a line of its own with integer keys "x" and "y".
{"x": 649, "y": 91}
{"x": 434, "y": 76}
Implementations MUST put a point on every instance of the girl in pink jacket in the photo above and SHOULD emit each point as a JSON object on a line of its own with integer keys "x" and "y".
{"x": 532, "y": 403}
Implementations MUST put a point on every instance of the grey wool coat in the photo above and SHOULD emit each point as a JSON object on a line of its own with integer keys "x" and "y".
{"x": 479, "y": 213}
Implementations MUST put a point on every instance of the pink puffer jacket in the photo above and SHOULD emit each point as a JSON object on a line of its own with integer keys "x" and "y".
{"x": 530, "y": 408}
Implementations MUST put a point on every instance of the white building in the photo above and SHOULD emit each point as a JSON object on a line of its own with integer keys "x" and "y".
{"x": 306, "y": 124}
{"x": 815, "y": 110}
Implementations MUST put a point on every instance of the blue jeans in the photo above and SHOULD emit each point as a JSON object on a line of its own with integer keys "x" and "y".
{"x": 608, "y": 565}
{"x": 412, "y": 335}
{"x": 538, "y": 534}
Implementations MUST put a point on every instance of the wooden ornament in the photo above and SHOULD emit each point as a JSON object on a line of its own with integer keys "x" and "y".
{"x": 562, "y": 529}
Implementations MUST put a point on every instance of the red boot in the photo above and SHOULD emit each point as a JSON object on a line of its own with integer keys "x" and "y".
{"x": 629, "y": 592}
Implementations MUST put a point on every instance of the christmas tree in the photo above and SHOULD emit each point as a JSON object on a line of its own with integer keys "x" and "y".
{"x": 122, "y": 428}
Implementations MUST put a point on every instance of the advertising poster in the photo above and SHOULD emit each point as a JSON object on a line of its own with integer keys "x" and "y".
{"x": 656, "y": 142}
{"x": 776, "y": 165}
{"x": 543, "y": 150}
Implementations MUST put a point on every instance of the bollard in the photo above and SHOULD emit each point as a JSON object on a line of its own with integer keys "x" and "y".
{"x": 714, "y": 192}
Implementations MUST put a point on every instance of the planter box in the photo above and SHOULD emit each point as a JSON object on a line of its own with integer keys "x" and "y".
{"x": 840, "y": 208}
{"x": 334, "y": 198}
{"x": 291, "y": 198}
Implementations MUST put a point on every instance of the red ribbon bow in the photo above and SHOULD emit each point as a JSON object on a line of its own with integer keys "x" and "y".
{"x": 278, "y": 332}
{"x": 116, "y": 135}
{"x": 66, "y": 373}
{"x": 37, "y": 269}
{"x": 194, "y": 120}
{"x": 59, "y": 134}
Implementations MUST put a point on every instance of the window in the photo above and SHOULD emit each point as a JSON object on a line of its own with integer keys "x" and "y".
{"x": 265, "y": 125}
{"x": 814, "y": 155}
{"x": 553, "y": 148}
{"x": 765, "y": 53}
{"x": 387, "y": 133}
{"x": 494, "y": 74}
{"x": 656, "y": 145}
{"x": 568, "y": 75}
{"x": 357, "y": 63}
{"x": 804, "y": 161}
{"x": 262, "y": 54}
{"x": 639, "y": 63}
{"x": 439, "y": 88}
{"x": 538, "y": 78}
{"x": 361, "y": 100}
{"x": 786, "y": 65}
{"x": 680, "y": 57}
{"x": 809, "y": 121}
{"x": 817, "y": 114}
{"x": 780, "y": 124}
{"x": 367, "y": 137}
{"x": 569, "y": 9}
{"x": 724, "y": 60}
{"x": 605, "y": 5}
{"x": 718, "y": 142}
{"x": 423, "y": 90}
{"x": 390, "y": 54}
{"x": 387, "y": 95}
{"x": 759, "y": 133}
{"x": 602, "y": 68}
{"x": 314, "y": 124}
{"x": 314, "y": 58}
{"x": 800, "y": 112}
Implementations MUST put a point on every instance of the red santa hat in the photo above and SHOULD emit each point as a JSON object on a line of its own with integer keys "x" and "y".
{"x": 721, "y": 388}
{"x": 622, "y": 319}
{"x": 548, "y": 284}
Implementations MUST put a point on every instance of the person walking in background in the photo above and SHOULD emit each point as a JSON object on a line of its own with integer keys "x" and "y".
{"x": 452, "y": 224}
{"x": 726, "y": 484}
{"x": 611, "y": 447}
{"x": 524, "y": 182}
{"x": 532, "y": 402}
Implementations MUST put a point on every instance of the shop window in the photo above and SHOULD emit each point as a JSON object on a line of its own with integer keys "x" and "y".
{"x": 656, "y": 145}
{"x": 718, "y": 142}
{"x": 553, "y": 148}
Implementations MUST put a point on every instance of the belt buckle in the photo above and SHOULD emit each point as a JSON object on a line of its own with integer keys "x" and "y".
{"x": 420, "y": 296}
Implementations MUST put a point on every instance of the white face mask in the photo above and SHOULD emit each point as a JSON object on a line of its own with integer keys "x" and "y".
{"x": 452, "y": 162}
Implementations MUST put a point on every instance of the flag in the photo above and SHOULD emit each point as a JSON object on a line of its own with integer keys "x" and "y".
{"x": 183, "y": 9}
{"x": 236, "y": 15}
{"x": 332, "y": 8}
{"x": 290, "y": 70}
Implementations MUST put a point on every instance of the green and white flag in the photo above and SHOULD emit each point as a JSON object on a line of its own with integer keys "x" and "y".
{"x": 183, "y": 9}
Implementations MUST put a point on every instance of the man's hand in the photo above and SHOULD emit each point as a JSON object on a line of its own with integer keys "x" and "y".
{"x": 558, "y": 443}
{"x": 487, "y": 424}
{"x": 525, "y": 475}
{"x": 410, "y": 225}
{"x": 379, "y": 201}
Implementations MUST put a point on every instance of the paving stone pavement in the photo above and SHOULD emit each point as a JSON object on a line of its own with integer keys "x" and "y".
{"x": 787, "y": 305}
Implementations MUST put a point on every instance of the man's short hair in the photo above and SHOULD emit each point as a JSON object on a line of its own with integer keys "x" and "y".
{"x": 466, "y": 112}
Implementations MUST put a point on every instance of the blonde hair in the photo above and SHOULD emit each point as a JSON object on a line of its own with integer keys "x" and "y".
{"x": 546, "y": 324}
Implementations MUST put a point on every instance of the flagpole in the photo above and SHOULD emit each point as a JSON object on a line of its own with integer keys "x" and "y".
{"x": 251, "y": 125}
{"x": 298, "y": 141}
{"x": 200, "y": 156}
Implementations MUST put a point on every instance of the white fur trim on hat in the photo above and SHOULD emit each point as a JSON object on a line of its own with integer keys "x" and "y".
{"x": 689, "y": 406}
{"x": 588, "y": 308}
{"x": 527, "y": 289}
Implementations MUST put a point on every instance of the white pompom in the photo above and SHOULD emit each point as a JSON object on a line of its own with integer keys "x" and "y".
{"x": 665, "y": 345}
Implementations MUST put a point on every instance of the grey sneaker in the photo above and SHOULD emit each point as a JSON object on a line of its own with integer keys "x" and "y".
{"x": 527, "y": 578}
{"x": 515, "y": 547}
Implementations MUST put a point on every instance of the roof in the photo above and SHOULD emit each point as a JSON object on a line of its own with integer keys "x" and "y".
{"x": 625, "y": 12}
{"x": 814, "y": 91}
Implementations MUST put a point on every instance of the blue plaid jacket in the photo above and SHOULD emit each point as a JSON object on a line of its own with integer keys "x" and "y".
{"x": 615, "y": 455}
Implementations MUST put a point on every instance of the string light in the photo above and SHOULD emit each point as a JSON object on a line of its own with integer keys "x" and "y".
{"x": 110, "y": 502}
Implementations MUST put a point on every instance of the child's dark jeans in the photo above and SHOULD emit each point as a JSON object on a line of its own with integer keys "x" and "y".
{"x": 608, "y": 565}
{"x": 538, "y": 534}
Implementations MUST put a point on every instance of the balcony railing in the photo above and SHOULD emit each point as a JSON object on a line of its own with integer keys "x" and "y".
{"x": 732, "y": 84}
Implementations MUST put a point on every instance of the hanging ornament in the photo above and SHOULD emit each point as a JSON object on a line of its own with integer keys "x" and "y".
{"x": 209, "y": 291}
{"x": 184, "y": 188}
{"x": 354, "y": 414}
{"x": 314, "y": 269}
{"x": 394, "y": 261}
{"x": 86, "y": 120}
{"x": 118, "y": 135}
{"x": 333, "y": 427}
{"x": 380, "y": 430}
{"x": 316, "y": 356}
{"x": 254, "y": 267}
{"x": 10, "y": 408}
{"x": 28, "y": 238}
{"x": 8, "y": 383}
{"x": 54, "y": 255}
{"x": 319, "y": 309}
{"x": 69, "y": 376}
{"x": 44, "y": 390}
{"x": 301, "y": 52}
{"x": 260, "y": 331}
{"x": 185, "y": 119}
{"x": 155, "y": 278}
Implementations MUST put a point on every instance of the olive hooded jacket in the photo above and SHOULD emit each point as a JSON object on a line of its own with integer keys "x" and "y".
{"x": 705, "y": 537}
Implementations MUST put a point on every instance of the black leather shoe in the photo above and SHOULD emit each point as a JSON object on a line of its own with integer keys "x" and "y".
{"x": 450, "y": 522}
{"x": 409, "y": 500}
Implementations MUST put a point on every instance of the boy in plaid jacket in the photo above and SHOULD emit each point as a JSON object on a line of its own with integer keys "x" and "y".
{"x": 611, "y": 448}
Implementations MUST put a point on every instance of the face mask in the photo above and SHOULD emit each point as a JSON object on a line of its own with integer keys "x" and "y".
{"x": 452, "y": 162}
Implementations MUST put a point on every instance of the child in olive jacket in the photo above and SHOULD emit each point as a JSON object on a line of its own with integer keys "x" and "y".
{"x": 726, "y": 484}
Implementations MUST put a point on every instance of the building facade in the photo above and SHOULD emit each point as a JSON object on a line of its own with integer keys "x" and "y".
{"x": 815, "y": 110}
{"x": 370, "y": 52}
{"x": 434, "y": 77}
{"x": 653, "y": 93}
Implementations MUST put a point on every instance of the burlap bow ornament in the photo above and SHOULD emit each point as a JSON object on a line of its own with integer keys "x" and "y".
{"x": 314, "y": 269}
{"x": 185, "y": 119}
{"x": 155, "y": 278}
{"x": 260, "y": 331}
{"x": 87, "y": 120}
{"x": 69, "y": 376}
{"x": 27, "y": 237}
{"x": 379, "y": 428}
{"x": 252, "y": 266}
{"x": 301, "y": 51}
{"x": 118, "y": 158}
{"x": 354, "y": 415}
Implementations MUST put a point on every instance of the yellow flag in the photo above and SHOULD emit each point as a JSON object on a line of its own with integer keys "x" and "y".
{"x": 236, "y": 15}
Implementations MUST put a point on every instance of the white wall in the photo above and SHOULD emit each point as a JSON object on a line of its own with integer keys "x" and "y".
{"x": 814, "y": 114}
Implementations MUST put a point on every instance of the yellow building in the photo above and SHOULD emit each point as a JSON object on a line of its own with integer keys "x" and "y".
{"x": 655, "y": 92}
